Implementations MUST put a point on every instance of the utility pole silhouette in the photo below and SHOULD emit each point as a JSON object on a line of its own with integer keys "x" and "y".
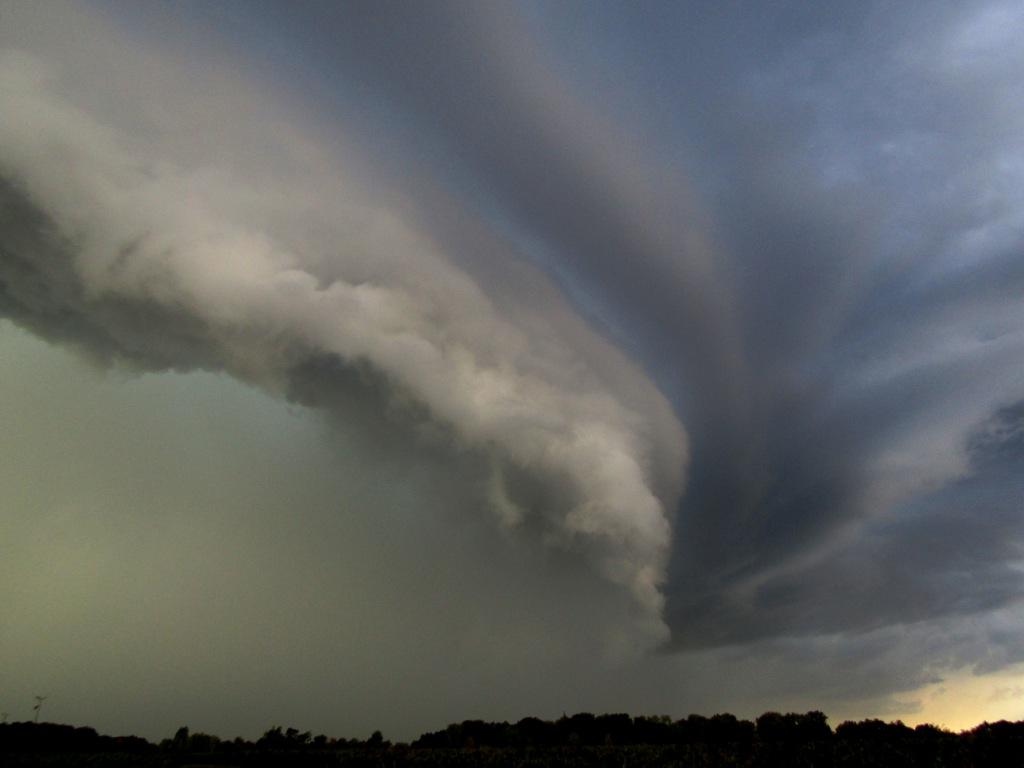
{"x": 39, "y": 705}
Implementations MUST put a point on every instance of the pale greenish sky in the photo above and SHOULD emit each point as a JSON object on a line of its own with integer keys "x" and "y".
{"x": 181, "y": 546}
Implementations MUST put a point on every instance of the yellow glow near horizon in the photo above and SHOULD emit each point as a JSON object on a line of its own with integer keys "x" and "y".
{"x": 963, "y": 700}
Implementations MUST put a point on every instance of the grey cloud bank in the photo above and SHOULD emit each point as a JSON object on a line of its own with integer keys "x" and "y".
{"x": 501, "y": 232}
{"x": 107, "y": 247}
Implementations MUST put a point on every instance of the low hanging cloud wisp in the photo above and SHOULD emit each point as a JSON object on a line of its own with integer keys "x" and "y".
{"x": 114, "y": 247}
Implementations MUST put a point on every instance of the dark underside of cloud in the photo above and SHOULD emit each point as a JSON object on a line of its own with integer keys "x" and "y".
{"x": 39, "y": 292}
{"x": 824, "y": 277}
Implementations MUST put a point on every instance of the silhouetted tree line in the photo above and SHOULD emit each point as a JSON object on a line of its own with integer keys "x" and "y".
{"x": 51, "y": 737}
{"x": 612, "y": 741}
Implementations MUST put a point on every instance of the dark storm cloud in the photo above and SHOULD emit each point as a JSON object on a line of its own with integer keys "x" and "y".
{"x": 879, "y": 316}
{"x": 838, "y": 333}
{"x": 953, "y": 552}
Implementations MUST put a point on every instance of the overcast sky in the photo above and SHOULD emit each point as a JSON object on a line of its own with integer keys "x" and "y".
{"x": 382, "y": 365}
